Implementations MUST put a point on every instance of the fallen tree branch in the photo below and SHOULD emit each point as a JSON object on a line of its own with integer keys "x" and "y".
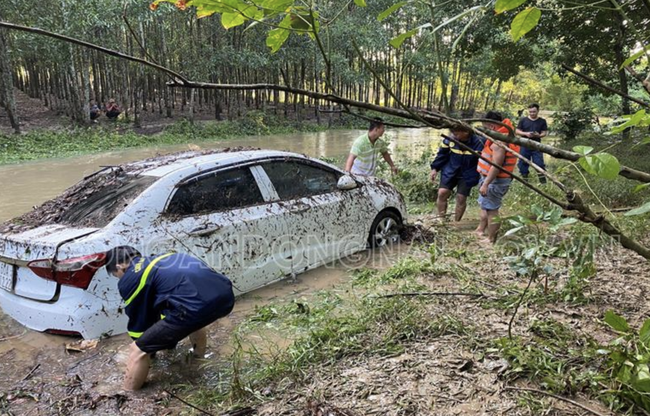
{"x": 89, "y": 45}
{"x": 645, "y": 82}
{"x": 31, "y": 372}
{"x": 205, "y": 412}
{"x": 13, "y": 337}
{"x": 602, "y": 223}
{"x": 411, "y": 294}
{"x": 564, "y": 399}
{"x": 437, "y": 120}
{"x": 625, "y": 171}
{"x": 605, "y": 87}
{"x": 521, "y": 299}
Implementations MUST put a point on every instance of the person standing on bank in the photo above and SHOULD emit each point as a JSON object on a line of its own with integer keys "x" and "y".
{"x": 494, "y": 183}
{"x": 366, "y": 150}
{"x": 167, "y": 298}
{"x": 457, "y": 168}
{"x": 534, "y": 128}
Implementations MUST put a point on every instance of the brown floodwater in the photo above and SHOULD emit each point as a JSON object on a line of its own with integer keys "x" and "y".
{"x": 23, "y": 186}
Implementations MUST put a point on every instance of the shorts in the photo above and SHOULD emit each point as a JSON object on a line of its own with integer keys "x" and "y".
{"x": 496, "y": 191}
{"x": 164, "y": 335}
{"x": 452, "y": 182}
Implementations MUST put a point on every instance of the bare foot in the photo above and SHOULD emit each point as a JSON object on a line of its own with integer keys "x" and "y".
{"x": 479, "y": 233}
{"x": 485, "y": 242}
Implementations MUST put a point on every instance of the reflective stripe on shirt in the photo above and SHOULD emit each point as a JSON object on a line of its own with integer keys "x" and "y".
{"x": 143, "y": 279}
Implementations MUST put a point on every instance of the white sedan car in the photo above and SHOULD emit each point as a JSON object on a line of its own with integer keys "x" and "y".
{"x": 257, "y": 216}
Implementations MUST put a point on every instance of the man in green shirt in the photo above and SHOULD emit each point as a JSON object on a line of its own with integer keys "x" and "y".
{"x": 366, "y": 150}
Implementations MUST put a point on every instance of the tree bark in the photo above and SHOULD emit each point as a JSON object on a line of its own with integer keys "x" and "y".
{"x": 7, "y": 98}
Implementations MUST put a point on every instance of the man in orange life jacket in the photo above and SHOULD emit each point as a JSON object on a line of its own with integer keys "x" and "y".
{"x": 494, "y": 183}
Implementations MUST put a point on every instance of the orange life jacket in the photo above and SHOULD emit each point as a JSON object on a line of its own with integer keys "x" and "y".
{"x": 509, "y": 163}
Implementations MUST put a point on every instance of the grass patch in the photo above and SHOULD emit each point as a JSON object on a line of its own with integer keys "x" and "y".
{"x": 323, "y": 330}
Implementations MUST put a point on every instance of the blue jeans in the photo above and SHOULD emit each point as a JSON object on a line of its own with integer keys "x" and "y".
{"x": 534, "y": 156}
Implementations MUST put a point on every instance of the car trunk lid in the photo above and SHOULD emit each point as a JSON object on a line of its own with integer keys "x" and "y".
{"x": 17, "y": 250}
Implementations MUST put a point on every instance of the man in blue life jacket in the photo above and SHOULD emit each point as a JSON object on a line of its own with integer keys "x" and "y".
{"x": 457, "y": 168}
{"x": 167, "y": 298}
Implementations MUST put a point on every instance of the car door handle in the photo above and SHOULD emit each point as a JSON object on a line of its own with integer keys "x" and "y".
{"x": 299, "y": 209}
{"x": 204, "y": 230}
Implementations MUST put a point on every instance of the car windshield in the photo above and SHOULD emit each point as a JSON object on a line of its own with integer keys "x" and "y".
{"x": 93, "y": 202}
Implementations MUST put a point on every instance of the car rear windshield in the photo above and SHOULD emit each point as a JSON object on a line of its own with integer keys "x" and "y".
{"x": 93, "y": 202}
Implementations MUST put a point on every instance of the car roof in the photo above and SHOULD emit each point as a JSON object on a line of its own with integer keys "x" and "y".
{"x": 196, "y": 161}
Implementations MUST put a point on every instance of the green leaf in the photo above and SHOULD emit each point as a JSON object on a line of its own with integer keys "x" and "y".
{"x": 602, "y": 165}
{"x": 632, "y": 59}
{"x": 512, "y": 231}
{"x": 397, "y": 41}
{"x": 277, "y": 5}
{"x": 618, "y": 323}
{"x": 583, "y": 150}
{"x": 229, "y": 20}
{"x": 524, "y": 22}
{"x": 641, "y": 187}
{"x": 276, "y": 38}
{"x": 643, "y": 142}
{"x": 643, "y": 209}
{"x": 360, "y": 3}
{"x": 644, "y": 333}
{"x": 631, "y": 121}
{"x": 505, "y": 5}
{"x": 391, "y": 10}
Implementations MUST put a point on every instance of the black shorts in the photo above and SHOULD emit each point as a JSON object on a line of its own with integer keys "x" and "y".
{"x": 451, "y": 183}
{"x": 164, "y": 336}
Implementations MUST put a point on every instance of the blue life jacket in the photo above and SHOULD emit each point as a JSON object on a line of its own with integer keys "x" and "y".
{"x": 176, "y": 287}
{"x": 452, "y": 160}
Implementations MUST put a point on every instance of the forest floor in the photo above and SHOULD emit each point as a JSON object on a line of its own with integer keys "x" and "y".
{"x": 346, "y": 350}
{"x": 34, "y": 116}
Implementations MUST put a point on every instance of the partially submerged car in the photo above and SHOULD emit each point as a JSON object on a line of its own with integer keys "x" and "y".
{"x": 257, "y": 216}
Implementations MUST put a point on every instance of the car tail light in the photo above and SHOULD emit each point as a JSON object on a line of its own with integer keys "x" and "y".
{"x": 77, "y": 271}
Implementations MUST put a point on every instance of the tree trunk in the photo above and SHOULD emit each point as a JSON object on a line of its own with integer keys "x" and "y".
{"x": 7, "y": 99}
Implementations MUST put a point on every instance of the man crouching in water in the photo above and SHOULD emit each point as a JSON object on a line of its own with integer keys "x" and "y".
{"x": 167, "y": 298}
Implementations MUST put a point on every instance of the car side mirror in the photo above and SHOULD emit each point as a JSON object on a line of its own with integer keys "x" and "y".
{"x": 346, "y": 183}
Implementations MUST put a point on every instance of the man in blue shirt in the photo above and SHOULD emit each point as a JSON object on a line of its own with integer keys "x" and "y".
{"x": 534, "y": 128}
{"x": 167, "y": 298}
{"x": 457, "y": 168}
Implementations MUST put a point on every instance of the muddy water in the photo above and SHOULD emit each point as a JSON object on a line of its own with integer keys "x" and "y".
{"x": 25, "y": 185}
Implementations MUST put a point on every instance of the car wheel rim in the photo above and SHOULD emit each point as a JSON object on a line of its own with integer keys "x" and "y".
{"x": 386, "y": 232}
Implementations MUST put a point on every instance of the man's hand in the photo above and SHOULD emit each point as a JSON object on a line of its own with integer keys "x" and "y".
{"x": 433, "y": 175}
{"x": 483, "y": 190}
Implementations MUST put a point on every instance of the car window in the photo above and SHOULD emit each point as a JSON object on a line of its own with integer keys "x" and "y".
{"x": 297, "y": 180}
{"x": 222, "y": 191}
{"x": 93, "y": 202}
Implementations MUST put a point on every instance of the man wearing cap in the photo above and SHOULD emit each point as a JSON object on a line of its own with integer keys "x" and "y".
{"x": 167, "y": 298}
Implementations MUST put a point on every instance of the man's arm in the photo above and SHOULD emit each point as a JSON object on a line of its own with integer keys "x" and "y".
{"x": 350, "y": 162}
{"x": 389, "y": 160}
{"x": 523, "y": 133}
{"x": 544, "y": 131}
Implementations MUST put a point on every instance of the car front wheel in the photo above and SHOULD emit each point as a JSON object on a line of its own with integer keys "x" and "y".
{"x": 385, "y": 229}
